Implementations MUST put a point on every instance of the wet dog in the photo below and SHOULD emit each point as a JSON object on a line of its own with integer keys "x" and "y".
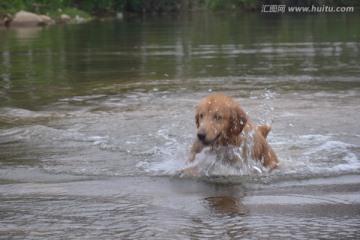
{"x": 222, "y": 123}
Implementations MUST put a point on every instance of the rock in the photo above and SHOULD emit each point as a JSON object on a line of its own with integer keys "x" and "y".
{"x": 28, "y": 19}
{"x": 47, "y": 19}
{"x": 6, "y": 20}
{"x": 63, "y": 18}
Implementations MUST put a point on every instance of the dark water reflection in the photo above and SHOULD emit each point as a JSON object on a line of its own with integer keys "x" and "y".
{"x": 96, "y": 119}
{"x": 41, "y": 64}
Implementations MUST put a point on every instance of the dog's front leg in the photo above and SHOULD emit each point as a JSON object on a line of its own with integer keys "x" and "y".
{"x": 196, "y": 148}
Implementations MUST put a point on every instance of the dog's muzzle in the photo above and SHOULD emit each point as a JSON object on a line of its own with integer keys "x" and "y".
{"x": 202, "y": 137}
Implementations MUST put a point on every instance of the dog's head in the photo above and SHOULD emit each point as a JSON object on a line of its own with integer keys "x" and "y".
{"x": 219, "y": 120}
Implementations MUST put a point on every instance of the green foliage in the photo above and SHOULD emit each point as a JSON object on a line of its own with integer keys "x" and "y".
{"x": 40, "y": 6}
{"x": 12, "y": 6}
{"x": 232, "y": 4}
{"x": 103, "y": 7}
{"x": 95, "y": 6}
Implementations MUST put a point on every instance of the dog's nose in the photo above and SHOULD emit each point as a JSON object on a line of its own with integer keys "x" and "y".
{"x": 201, "y": 136}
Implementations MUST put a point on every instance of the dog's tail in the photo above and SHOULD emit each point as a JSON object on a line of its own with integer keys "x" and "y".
{"x": 264, "y": 129}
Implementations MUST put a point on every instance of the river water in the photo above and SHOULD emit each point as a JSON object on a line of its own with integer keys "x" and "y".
{"x": 96, "y": 121}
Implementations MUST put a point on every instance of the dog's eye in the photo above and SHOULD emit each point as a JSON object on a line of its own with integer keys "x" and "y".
{"x": 217, "y": 117}
{"x": 201, "y": 116}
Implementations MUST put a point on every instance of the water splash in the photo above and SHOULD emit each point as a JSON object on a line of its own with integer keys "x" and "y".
{"x": 216, "y": 162}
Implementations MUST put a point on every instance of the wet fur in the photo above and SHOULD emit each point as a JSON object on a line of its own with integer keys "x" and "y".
{"x": 221, "y": 122}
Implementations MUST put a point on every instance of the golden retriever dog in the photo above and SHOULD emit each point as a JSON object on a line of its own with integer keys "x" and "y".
{"x": 222, "y": 123}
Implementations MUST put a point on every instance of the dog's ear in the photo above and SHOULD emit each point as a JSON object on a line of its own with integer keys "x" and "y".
{"x": 197, "y": 119}
{"x": 238, "y": 120}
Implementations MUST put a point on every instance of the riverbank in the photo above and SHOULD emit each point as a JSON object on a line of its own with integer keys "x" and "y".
{"x": 30, "y": 19}
{"x": 87, "y": 9}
